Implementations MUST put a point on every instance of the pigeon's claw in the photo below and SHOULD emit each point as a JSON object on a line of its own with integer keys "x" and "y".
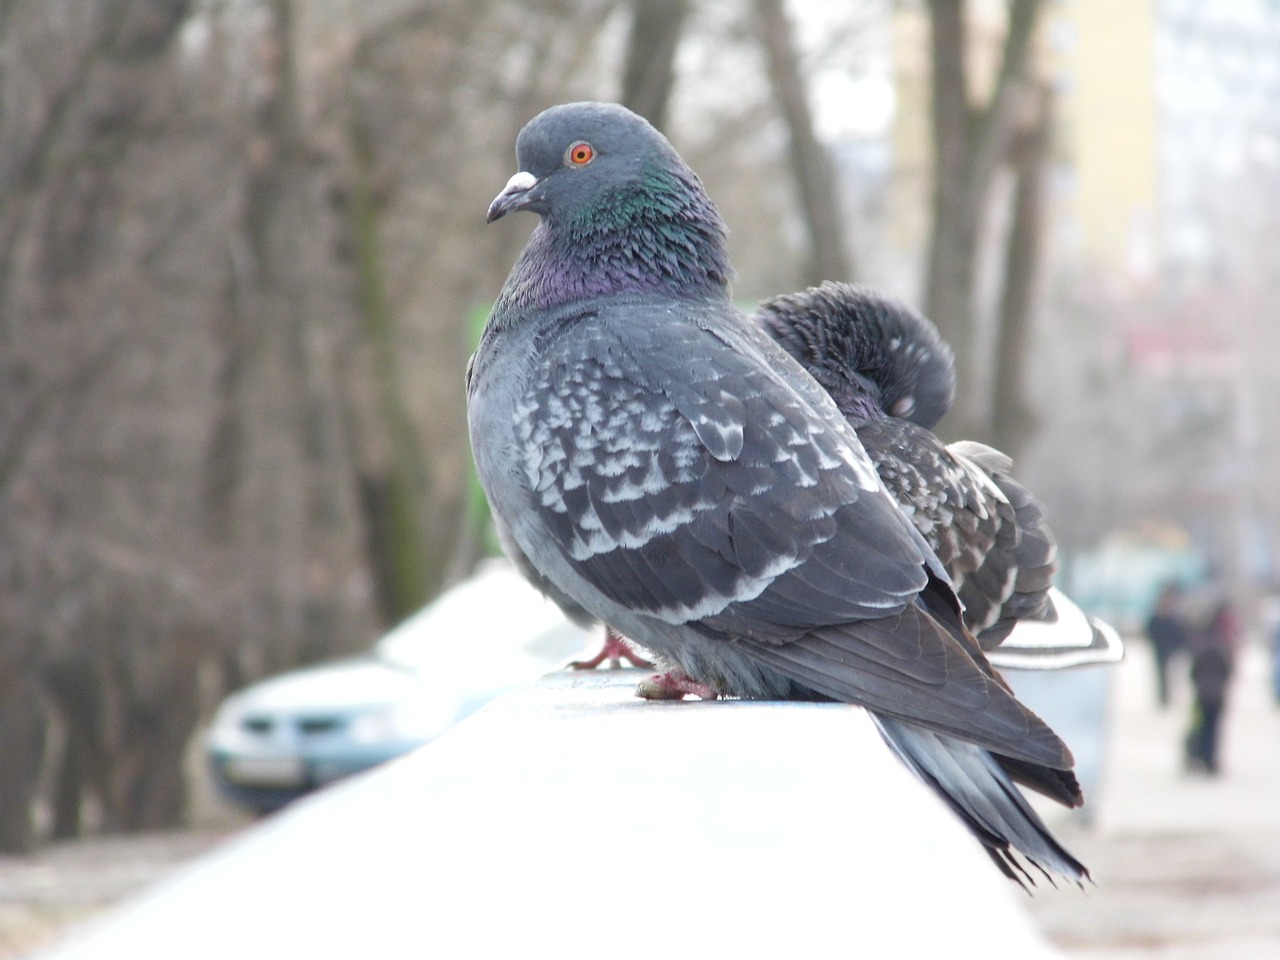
{"x": 673, "y": 685}
{"x": 615, "y": 650}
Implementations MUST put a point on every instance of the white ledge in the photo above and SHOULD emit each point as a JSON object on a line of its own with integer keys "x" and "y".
{"x": 571, "y": 818}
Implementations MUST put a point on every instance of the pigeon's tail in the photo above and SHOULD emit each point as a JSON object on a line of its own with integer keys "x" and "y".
{"x": 978, "y": 785}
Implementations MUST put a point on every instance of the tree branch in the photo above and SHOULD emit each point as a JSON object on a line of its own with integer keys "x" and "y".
{"x": 948, "y": 42}
{"x": 994, "y": 126}
{"x": 649, "y": 73}
{"x": 810, "y": 163}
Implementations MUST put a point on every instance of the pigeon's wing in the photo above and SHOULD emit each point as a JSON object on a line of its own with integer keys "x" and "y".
{"x": 681, "y": 483}
{"x": 687, "y": 479}
{"x": 987, "y": 530}
{"x": 1025, "y": 555}
{"x": 959, "y": 512}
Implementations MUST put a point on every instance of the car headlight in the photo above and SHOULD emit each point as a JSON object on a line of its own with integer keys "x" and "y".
{"x": 226, "y": 730}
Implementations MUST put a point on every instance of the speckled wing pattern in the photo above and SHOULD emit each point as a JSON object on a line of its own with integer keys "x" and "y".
{"x": 1025, "y": 553}
{"x": 987, "y": 530}
{"x": 687, "y": 480}
{"x": 656, "y": 485}
{"x": 892, "y": 376}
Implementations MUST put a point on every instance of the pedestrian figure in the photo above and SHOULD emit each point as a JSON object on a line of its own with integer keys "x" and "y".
{"x": 1212, "y": 664}
{"x": 1167, "y": 629}
{"x": 1275, "y": 663}
{"x": 1271, "y": 626}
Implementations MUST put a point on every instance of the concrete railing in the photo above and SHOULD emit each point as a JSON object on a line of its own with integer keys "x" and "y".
{"x": 571, "y": 820}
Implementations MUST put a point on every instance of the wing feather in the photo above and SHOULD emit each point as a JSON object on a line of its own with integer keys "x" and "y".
{"x": 761, "y": 524}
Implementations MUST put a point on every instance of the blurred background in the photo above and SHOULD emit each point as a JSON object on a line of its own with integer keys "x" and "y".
{"x": 243, "y": 261}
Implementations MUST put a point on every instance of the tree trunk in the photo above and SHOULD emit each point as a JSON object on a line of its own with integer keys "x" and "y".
{"x": 649, "y": 73}
{"x": 78, "y": 693}
{"x": 23, "y": 726}
{"x": 309, "y": 512}
{"x": 149, "y": 787}
{"x": 970, "y": 144}
{"x": 69, "y": 792}
{"x": 949, "y": 280}
{"x": 1013, "y": 421}
{"x": 392, "y": 500}
{"x": 810, "y": 163}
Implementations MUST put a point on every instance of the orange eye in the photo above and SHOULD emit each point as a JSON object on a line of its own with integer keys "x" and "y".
{"x": 580, "y": 154}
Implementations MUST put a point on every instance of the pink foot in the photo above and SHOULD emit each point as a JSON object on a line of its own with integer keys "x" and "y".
{"x": 673, "y": 685}
{"x": 615, "y": 650}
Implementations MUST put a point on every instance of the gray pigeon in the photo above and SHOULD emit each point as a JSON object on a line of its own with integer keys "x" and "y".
{"x": 893, "y": 377}
{"x": 671, "y": 470}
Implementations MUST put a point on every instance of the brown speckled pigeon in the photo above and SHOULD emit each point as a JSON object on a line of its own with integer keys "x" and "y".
{"x": 893, "y": 377}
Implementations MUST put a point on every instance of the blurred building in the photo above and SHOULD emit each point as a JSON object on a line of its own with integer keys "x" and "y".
{"x": 1165, "y": 192}
{"x": 1161, "y": 107}
{"x": 1217, "y": 69}
{"x": 1100, "y": 59}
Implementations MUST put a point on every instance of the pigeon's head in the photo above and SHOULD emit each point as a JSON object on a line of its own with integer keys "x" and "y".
{"x": 866, "y": 349}
{"x": 621, "y": 212}
{"x": 577, "y": 157}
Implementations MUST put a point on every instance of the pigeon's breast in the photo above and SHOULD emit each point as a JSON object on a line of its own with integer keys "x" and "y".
{"x": 497, "y": 378}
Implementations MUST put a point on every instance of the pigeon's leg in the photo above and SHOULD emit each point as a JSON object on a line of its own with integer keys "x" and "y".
{"x": 615, "y": 650}
{"x": 673, "y": 685}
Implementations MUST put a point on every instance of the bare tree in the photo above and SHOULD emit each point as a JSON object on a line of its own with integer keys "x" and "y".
{"x": 1014, "y": 421}
{"x": 810, "y": 163}
{"x": 23, "y": 735}
{"x": 241, "y": 269}
{"x": 970, "y": 144}
{"x": 649, "y": 72}
{"x": 170, "y": 490}
{"x": 76, "y": 92}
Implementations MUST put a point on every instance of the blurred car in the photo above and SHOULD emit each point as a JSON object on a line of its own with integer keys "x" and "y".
{"x": 284, "y": 737}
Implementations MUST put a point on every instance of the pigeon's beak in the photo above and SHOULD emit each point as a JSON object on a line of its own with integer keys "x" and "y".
{"x": 512, "y": 196}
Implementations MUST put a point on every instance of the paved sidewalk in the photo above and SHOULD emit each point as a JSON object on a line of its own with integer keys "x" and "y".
{"x": 1187, "y": 868}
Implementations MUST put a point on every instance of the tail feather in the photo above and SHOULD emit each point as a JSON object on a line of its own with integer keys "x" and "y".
{"x": 974, "y": 783}
{"x": 1059, "y": 785}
